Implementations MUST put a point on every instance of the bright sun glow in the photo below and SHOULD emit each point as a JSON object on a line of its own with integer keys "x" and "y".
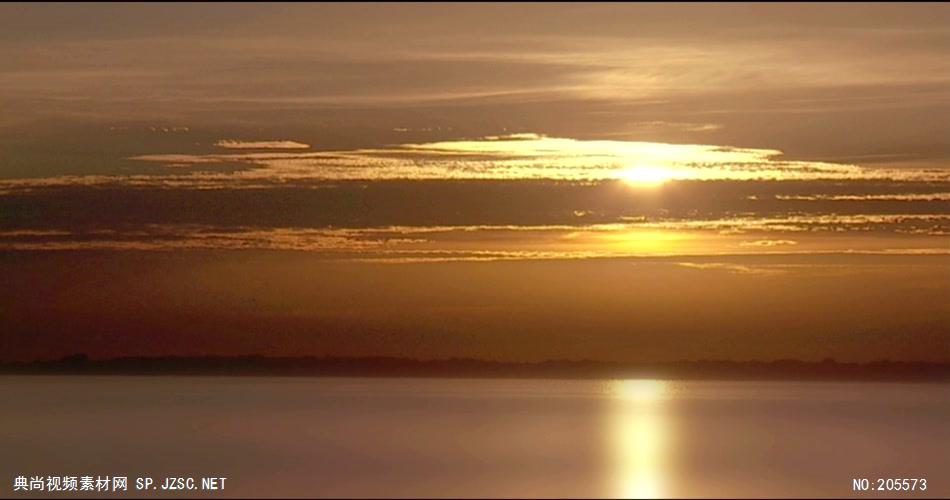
{"x": 638, "y": 439}
{"x": 649, "y": 175}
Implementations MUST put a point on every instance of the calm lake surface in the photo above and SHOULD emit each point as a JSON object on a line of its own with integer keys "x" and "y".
{"x": 458, "y": 437}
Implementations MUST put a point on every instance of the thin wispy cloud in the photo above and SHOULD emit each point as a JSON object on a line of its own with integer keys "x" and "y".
{"x": 236, "y": 144}
{"x": 866, "y": 197}
{"x": 732, "y": 268}
{"x": 512, "y": 157}
{"x": 534, "y": 156}
{"x": 768, "y": 243}
{"x": 644, "y": 239}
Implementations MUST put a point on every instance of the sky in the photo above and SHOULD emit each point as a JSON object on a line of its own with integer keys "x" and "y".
{"x": 520, "y": 182}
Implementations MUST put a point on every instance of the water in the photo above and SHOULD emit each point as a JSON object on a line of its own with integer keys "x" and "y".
{"x": 442, "y": 437}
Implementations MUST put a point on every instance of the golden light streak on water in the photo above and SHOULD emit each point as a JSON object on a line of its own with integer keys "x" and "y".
{"x": 638, "y": 439}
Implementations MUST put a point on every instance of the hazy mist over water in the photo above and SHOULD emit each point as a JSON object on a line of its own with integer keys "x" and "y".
{"x": 439, "y": 437}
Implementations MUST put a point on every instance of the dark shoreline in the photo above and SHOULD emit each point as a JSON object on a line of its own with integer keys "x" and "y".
{"x": 792, "y": 370}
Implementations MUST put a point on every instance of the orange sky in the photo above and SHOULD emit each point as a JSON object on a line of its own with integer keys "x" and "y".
{"x": 507, "y": 181}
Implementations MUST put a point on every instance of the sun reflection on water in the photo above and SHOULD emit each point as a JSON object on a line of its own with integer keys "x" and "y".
{"x": 638, "y": 439}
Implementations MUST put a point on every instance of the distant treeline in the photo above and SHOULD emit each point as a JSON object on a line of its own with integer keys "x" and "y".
{"x": 80, "y": 364}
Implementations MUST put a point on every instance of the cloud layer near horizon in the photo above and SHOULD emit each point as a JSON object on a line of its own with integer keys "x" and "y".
{"x": 525, "y": 156}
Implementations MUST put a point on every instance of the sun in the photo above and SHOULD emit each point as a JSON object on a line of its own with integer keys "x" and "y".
{"x": 644, "y": 175}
